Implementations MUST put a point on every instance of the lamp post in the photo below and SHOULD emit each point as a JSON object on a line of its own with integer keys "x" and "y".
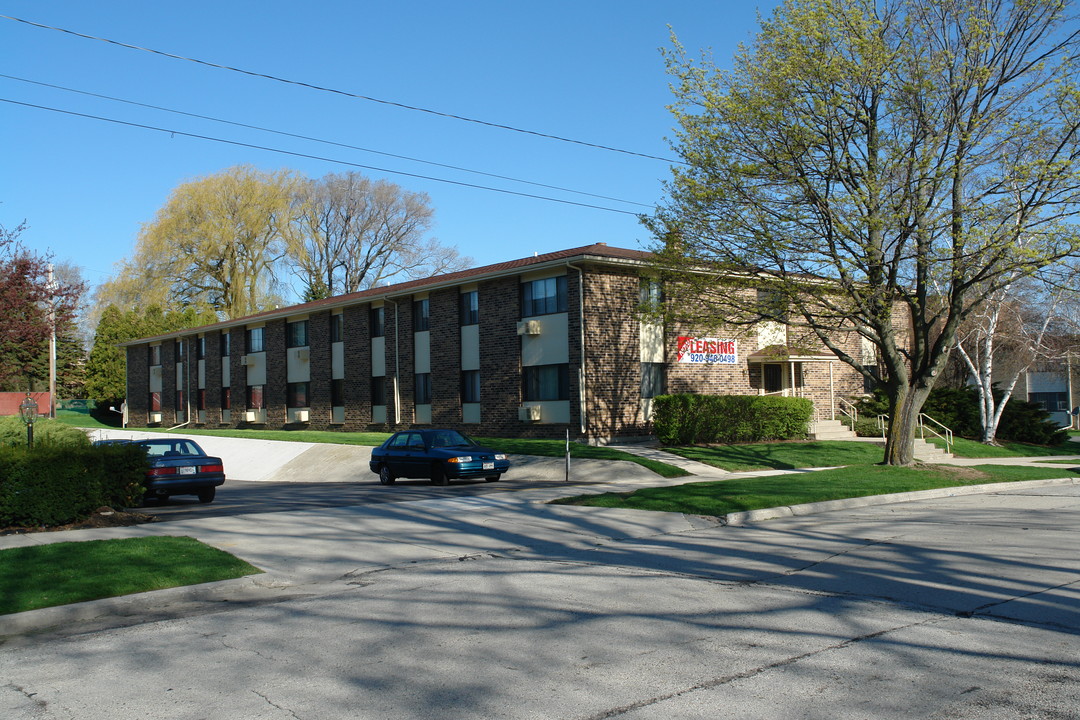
{"x": 28, "y": 410}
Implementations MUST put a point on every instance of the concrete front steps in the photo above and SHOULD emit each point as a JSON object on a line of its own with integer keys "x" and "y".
{"x": 835, "y": 430}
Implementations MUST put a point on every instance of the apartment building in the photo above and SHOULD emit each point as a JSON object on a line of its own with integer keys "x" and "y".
{"x": 527, "y": 348}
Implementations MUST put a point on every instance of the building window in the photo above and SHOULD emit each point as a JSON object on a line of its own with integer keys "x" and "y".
{"x": 255, "y": 397}
{"x": 200, "y": 348}
{"x": 179, "y": 351}
{"x": 543, "y": 297}
{"x": 651, "y": 297}
{"x": 155, "y": 402}
{"x": 296, "y": 334}
{"x": 226, "y": 398}
{"x": 200, "y": 399}
{"x": 1050, "y": 401}
{"x": 470, "y": 308}
{"x": 179, "y": 400}
{"x": 870, "y": 383}
{"x": 337, "y": 328}
{"x": 337, "y": 393}
{"x": 420, "y": 315}
{"x": 652, "y": 379}
{"x": 255, "y": 340}
{"x": 470, "y": 386}
{"x": 546, "y": 382}
{"x": 422, "y": 393}
{"x": 296, "y": 395}
{"x": 378, "y": 321}
{"x": 155, "y": 355}
{"x": 226, "y": 344}
{"x": 378, "y": 391}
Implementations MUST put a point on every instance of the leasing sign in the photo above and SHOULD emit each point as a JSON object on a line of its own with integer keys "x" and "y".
{"x": 706, "y": 351}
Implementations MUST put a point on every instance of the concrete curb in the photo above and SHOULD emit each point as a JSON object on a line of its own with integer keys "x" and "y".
{"x": 785, "y": 511}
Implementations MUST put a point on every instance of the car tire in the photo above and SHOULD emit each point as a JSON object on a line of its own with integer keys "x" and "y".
{"x": 493, "y": 478}
{"x": 207, "y": 495}
{"x": 385, "y": 476}
{"x": 438, "y": 476}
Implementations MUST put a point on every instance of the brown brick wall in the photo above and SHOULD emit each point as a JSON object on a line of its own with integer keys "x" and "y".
{"x": 445, "y": 357}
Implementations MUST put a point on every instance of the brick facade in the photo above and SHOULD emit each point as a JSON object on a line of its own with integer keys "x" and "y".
{"x": 603, "y": 344}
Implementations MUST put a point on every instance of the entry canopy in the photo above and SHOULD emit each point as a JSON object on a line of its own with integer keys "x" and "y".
{"x": 787, "y": 354}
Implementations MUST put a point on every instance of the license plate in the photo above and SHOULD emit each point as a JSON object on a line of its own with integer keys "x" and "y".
{"x": 187, "y": 470}
{"x": 489, "y": 466}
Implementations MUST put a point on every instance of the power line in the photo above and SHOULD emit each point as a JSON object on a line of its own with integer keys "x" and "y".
{"x": 345, "y": 93}
{"x": 318, "y": 140}
{"x": 316, "y": 157}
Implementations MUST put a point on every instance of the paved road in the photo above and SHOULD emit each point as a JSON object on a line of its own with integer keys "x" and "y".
{"x": 496, "y": 607}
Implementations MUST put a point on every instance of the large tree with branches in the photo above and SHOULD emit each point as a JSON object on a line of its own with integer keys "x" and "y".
{"x": 880, "y": 167}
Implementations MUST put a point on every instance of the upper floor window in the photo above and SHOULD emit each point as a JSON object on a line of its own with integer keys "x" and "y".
{"x": 651, "y": 296}
{"x": 296, "y": 334}
{"x": 255, "y": 340}
{"x": 337, "y": 328}
{"x": 378, "y": 321}
{"x": 470, "y": 308}
{"x": 543, "y": 297}
{"x": 200, "y": 348}
{"x": 154, "y": 355}
{"x": 226, "y": 343}
{"x": 420, "y": 314}
{"x": 179, "y": 351}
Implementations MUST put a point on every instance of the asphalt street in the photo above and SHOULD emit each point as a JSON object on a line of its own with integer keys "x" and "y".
{"x": 501, "y": 606}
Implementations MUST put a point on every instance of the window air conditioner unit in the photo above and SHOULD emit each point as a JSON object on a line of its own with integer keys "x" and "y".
{"x": 528, "y": 327}
{"x": 529, "y": 413}
{"x": 155, "y": 417}
{"x": 303, "y": 354}
{"x": 250, "y": 415}
{"x": 302, "y": 416}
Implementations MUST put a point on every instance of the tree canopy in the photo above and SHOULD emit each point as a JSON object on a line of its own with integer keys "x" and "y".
{"x": 880, "y": 167}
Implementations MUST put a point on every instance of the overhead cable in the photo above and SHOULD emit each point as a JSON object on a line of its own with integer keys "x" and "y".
{"x": 316, "y": 157}
{"x": 345, "y": 93}
{"x": 318, "y": 140}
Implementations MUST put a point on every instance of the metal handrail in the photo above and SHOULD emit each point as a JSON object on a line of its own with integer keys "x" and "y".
{"x": 883, "y": 424}
{"x": 848, "y": 408}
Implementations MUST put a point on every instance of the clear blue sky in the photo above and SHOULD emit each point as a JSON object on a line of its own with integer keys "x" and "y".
{"x": 588, "y": 70}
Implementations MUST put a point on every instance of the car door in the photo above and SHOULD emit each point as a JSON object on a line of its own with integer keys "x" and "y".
{"x": 397, "y": 455}
{"x": 416, "y": 456}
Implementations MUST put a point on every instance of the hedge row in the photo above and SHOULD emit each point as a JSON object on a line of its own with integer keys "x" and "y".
{"x": 55, "y": 485}
{"x": 46, "y": 432}
{"x": 693, "y": 419}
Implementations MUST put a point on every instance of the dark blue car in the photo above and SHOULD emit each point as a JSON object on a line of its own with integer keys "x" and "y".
{"x": 438, "y": 455}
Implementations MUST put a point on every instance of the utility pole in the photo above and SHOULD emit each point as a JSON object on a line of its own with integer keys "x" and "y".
{"x": 52, "y": 347}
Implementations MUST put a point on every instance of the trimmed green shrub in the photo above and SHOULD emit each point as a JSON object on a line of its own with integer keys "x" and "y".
{"x": 54, "y": 485}
{"x": 47, "y": 432}
{"x": 689, "y": 419}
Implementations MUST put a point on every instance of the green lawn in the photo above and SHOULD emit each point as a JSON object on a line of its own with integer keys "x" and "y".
{"x": 962, "y": 447}
{"x": 42, "y": 576}
{"x": 783, "y": 455}
{"x": 727, "y": 496}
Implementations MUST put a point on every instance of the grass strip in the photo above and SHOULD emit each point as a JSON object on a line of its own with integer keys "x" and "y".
{"x": 41, "y": 576}
{"x": 728, "y": 496}
{"x": 783, "y": 455}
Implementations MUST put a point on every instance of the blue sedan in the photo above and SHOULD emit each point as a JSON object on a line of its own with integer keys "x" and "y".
{"x": 438, "y": 455}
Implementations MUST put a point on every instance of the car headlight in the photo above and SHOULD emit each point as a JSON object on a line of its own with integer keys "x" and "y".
{"x": 460, "y": 459}
{"x": 500, "y": 456}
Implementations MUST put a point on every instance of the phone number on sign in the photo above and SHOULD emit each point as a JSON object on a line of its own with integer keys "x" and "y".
{"x": 710, "y": 358}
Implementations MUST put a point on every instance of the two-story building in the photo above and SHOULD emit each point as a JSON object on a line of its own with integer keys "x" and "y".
{"x": 527, "y": 348}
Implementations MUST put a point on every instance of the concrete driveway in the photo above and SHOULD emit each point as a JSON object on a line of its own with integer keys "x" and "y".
{"x": 500, "y": 607}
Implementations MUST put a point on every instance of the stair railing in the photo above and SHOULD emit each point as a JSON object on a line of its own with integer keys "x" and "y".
{"x": 946, "y": 434}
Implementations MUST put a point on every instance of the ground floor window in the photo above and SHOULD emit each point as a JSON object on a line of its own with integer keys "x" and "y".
{"x": 255, "y": 397}
{"x": 652, "y": 379}
{"x": 470, "y": 386}
{"x": 423, "y": 389}
{"x": 155, "y": 402}
{"x": 179, "y": 400}
{"x": 1050, "y": 401}
{"x": 200, "y": 399}
{"x": 378, "y": 390}
{"x": 337, "y": 391}
{"x": 226, "y": 398}
{"x": 546, "y": 382}
{"x": 296, "y": 395}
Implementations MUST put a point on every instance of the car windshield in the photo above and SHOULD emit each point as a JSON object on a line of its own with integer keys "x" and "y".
{"x": 171, "y": 448}
{"x": 449, "y": 438}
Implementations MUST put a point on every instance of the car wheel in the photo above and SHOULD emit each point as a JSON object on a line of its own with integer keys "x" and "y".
{"x": 207, "y": 495}
{"x": 493, "y": 478}
{"x": 438, "y": 477}
{"x": 385, "y": 476}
